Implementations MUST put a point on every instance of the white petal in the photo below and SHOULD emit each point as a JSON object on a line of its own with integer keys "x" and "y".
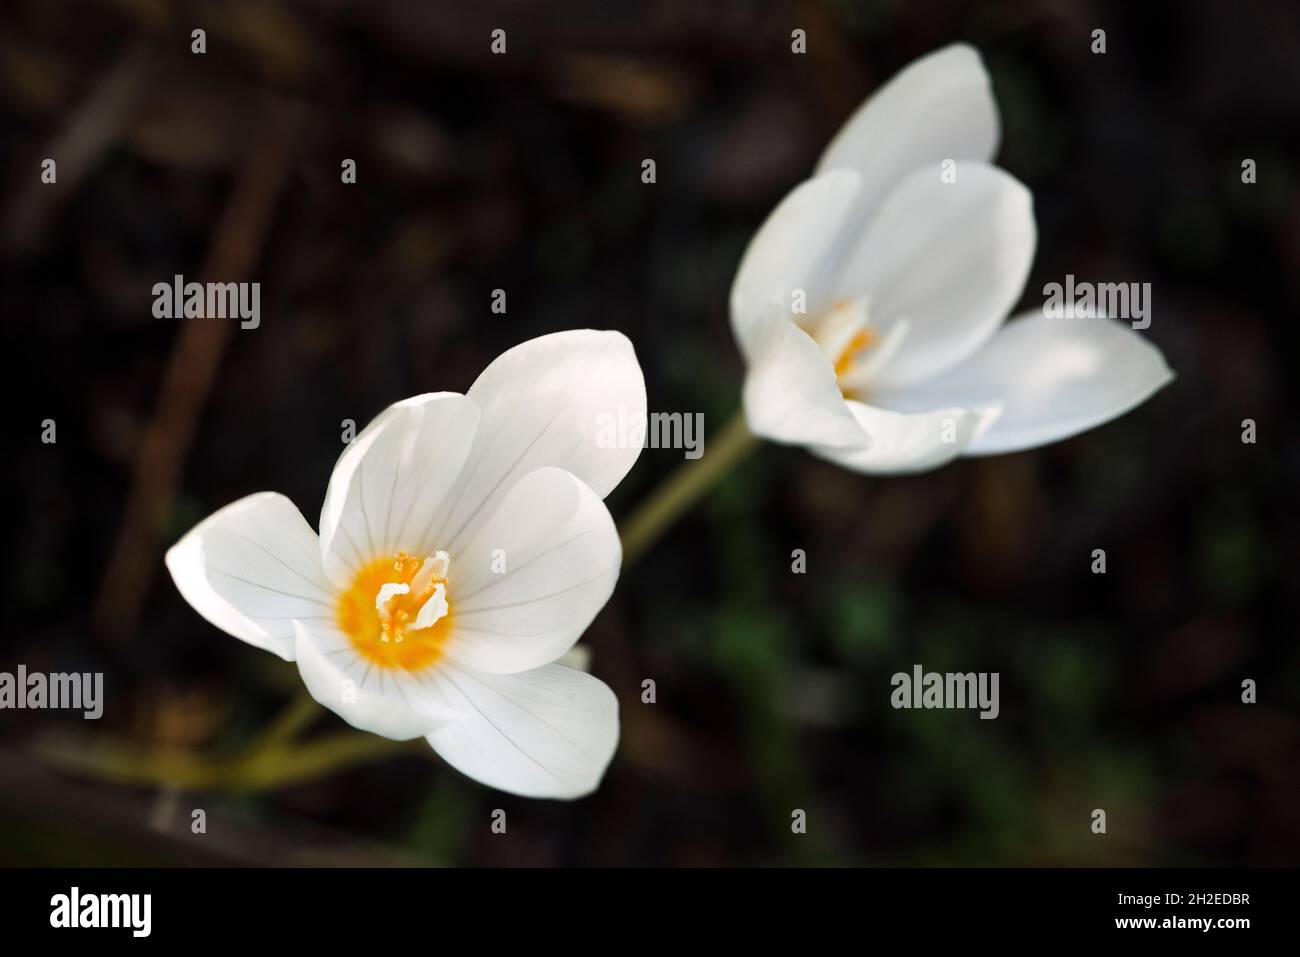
{"x": 395, "y": 704}
{"x": 391, "y": 482}
{"x": 545, "y": 733}
{"x": 544, "y": 403}
{"x": 795, "y": 248}
{"x": 791, "y": 394}
{"x": 902, "y": 443}
{"x": 1053, "y": 377}
{"x": 251, "y": 568}
{"x": 952, "y": 258}
{"x": 939, "y": 107}
{"x": 559, "y": 548}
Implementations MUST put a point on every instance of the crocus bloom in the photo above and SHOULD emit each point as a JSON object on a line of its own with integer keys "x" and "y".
{"x": 464, "y": 546}
{"x": 870, "y": 305}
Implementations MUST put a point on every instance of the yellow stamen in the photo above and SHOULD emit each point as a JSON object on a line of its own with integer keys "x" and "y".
{"x": 860, "y": 340}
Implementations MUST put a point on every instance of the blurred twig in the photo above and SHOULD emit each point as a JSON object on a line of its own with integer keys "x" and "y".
{"x": 89, "y": 822}
{"x": 188, "y": 380}
{"x": 88, "y": 133}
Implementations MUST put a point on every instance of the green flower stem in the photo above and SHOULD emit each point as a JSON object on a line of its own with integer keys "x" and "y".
{"x": 684, "y": 487}
{"x": 297, "y": 716}
{"x": 250, "y": 771}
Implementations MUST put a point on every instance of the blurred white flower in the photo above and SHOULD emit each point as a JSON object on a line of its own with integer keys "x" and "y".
{"x": 464, "y": 547}
{"x": 870, "y": 305}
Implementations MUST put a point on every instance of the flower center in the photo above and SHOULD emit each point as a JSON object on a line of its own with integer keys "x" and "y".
{"x": 844, "y": 362}
{"x": 854, "y": 347}
{"x": 396, "y": 611}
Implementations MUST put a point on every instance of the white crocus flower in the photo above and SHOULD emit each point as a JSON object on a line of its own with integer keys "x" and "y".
{"x": 870, "y": 305}
{"x": 464, "y": 547}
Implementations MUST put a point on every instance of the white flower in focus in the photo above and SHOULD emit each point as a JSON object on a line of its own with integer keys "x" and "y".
{"x": 464, "y": 546}
{"x": 898, "y": 360}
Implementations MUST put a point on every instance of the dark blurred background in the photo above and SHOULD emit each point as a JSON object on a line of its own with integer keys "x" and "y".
{"x": 522, "y": 172}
